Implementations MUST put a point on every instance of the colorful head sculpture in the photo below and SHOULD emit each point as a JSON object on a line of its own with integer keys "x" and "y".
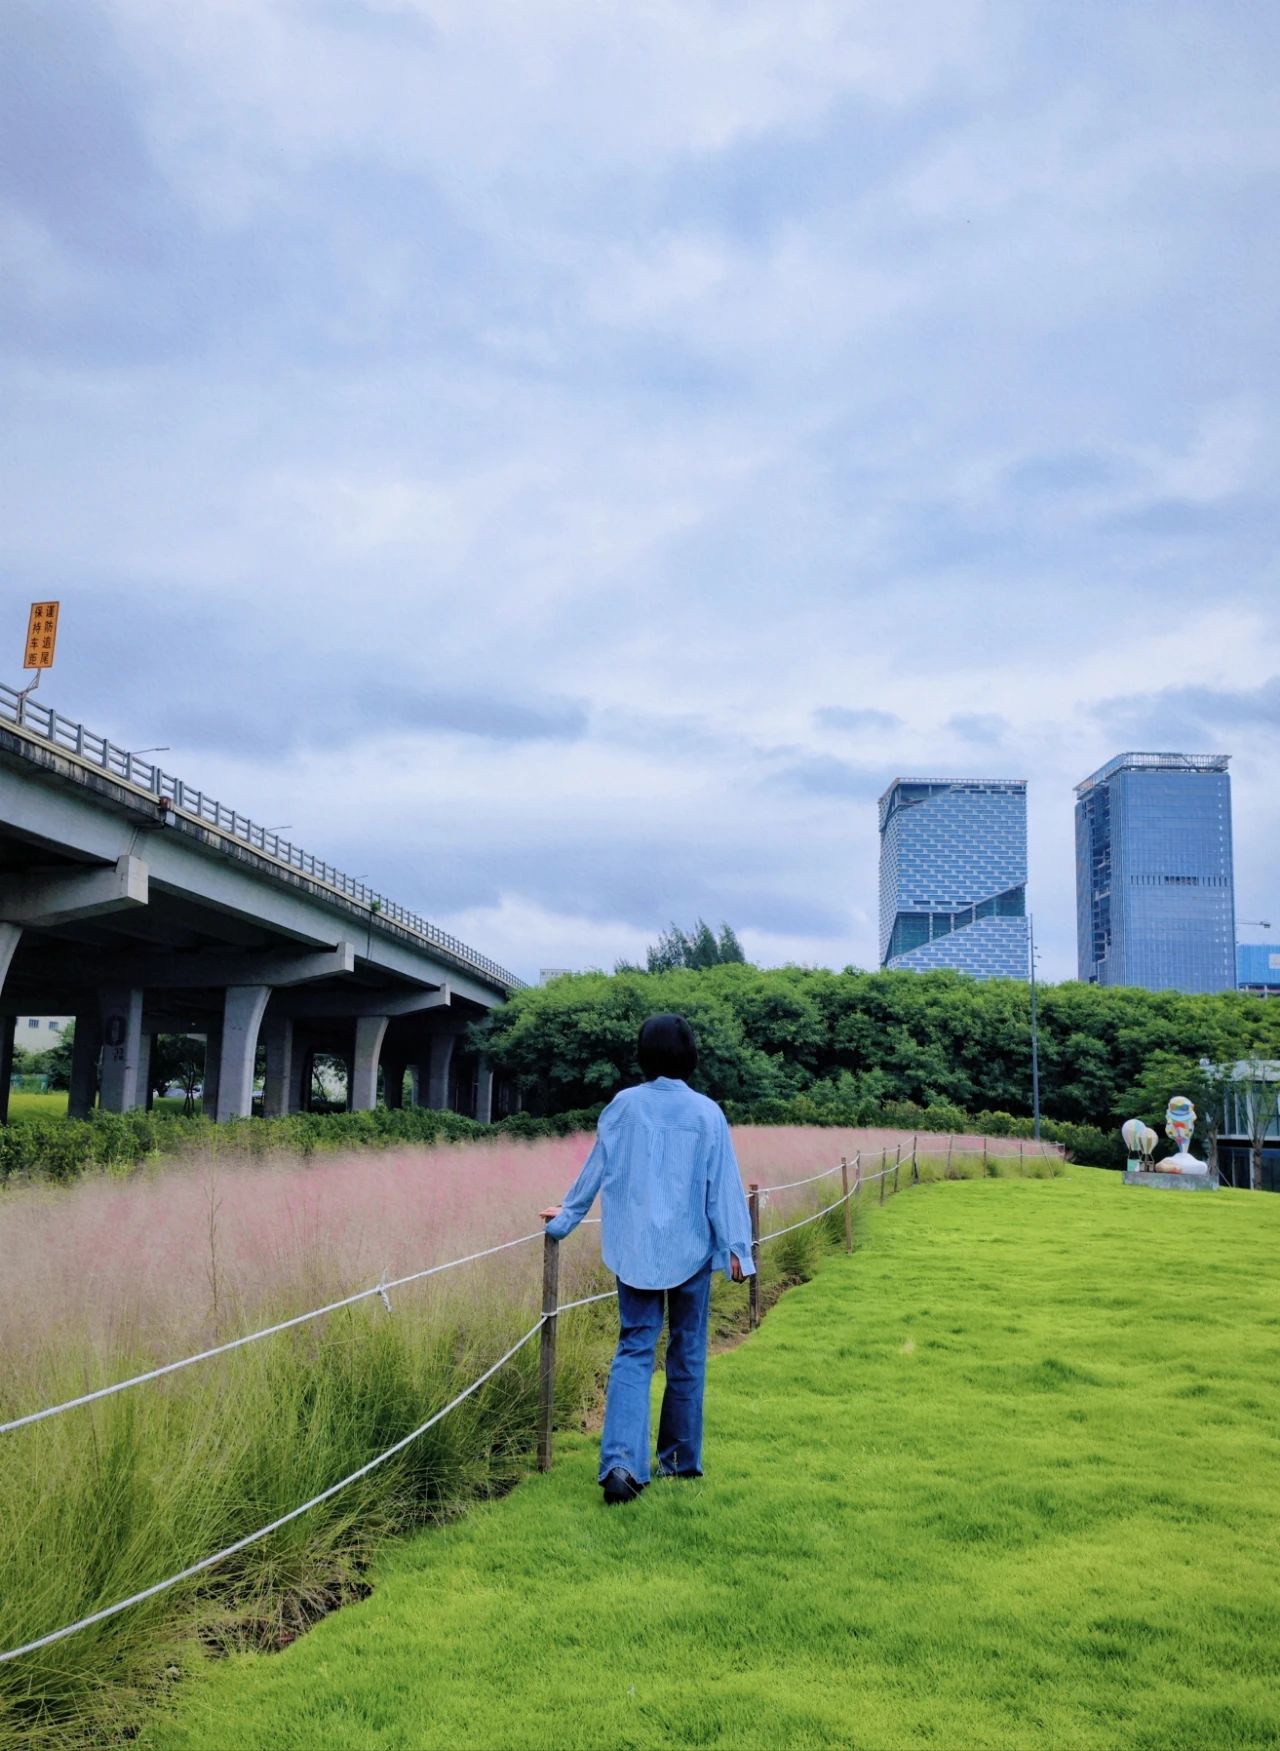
{"x": 1180, "y": 1122}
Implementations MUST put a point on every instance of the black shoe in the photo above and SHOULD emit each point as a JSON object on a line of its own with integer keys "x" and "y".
{"x": 619, "y": 1486}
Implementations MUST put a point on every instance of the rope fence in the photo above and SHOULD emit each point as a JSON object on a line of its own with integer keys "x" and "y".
{"x": 546, "y": 1326}
{"x": 380, "y": 1289}
{"x": 218, "y": 1556}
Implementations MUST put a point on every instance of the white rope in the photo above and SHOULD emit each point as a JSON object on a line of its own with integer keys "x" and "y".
{"x": 607, "y": 1295}
{"x": 921, "y": 1149}
{"x": 790, "y": 1185}
{"x": 773, "y": 1235}
{"x": 208, "y": 1562}
{"x": 268, "y": 1331}
{"x": 866, "y": 1180}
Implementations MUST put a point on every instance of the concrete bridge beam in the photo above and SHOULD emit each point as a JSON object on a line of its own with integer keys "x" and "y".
{"x": 227, "y": 968}
{"x": 121, "y": 1047}
{"x": 241, "y": 1018}
{"x": 362, "y": 1083}
{"x": 342, "y": 1005}
{"x": 60, "y": 896}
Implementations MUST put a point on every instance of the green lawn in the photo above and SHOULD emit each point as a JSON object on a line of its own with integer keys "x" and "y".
{"x": 24, "y": 1104}
{"x": 1009, "y": 1477}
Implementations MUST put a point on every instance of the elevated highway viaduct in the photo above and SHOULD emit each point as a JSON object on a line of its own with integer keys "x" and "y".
{"x": 141, "y": 906}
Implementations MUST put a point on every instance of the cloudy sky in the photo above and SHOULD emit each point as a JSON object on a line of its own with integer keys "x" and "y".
{"x": 564, "y": 459}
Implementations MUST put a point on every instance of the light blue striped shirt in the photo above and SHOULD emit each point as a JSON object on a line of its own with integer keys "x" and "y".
{"x": 672, "y": 1196}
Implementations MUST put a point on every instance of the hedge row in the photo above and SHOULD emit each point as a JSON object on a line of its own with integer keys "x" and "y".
{"x": 62, "y": 1149}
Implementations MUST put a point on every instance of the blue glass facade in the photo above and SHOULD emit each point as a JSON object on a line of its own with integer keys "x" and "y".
{"x": 1155, "y": 902}
{"x": 1258, "y": 968}
{"x": 953, "y": 876}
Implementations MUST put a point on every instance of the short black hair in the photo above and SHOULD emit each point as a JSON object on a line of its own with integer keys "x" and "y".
{"x": 666, "y": 1047}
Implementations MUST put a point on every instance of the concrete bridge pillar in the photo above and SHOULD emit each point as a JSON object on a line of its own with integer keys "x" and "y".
{"x": 85, "y": 1046}
{"x": 241, "y": 1018}
{"x": 212, "y": 1068}
{"x": 10, "y": 937}
{"x": 6, "y": 1064}
{"x": 300, "y": 1077}
{"x": 440, "y": 1065}
{"x": 484, "y": 1092}
{"x": 393, "y": 1069}
{"x": 144, "y": 1070}
{"x": 121, "y": 1048}
{"x": 277, "y": 1087}
{"x": 362, "y": 1077}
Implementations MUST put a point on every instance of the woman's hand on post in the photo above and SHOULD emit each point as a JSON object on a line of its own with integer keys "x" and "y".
{"x": 735, "y": 1268}
{"x": 551, "y": 1211}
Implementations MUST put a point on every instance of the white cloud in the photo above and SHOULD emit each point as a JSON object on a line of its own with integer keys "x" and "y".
{"x": 248, "y": 90}
{"x": 700, "y": 365}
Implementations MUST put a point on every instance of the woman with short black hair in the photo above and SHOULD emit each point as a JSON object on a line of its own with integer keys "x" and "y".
{"x": 673, "y": 1209}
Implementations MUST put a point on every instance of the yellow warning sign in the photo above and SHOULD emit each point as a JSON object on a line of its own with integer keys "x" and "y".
{"x": 42, "y": 635}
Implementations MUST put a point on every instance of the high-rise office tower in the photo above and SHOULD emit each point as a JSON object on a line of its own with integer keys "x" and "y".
{"x": 953, "y": 876}
{"x": 1155, "y": 903}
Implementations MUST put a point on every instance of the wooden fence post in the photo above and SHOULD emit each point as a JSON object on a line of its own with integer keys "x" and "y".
{"x": 1021, "y": 1169}
{"x": 951, "y": 1137}
{"x": 984, "y": 1158}
{"x": 753, "y": 1290}
{"x": 915, "y": 1165}
{"x": 857, "y": 1174}
{"x": 848, "y": 1214}
{"x": 547, "y": 1353}
{"x": 884, "y": 1157}
{"x": 897, "y": 1165}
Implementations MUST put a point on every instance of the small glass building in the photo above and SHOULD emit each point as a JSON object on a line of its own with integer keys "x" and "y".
{"x": 953, "y": 876}
{"x": 1257, "y": 968}
{"x": 1155, "y": 900}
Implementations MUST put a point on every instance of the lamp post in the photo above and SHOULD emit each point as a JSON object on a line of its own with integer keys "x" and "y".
{"x": 1035, "y": 1032}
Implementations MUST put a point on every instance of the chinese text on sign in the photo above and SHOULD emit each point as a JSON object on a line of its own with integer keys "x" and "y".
{"x": 42, "y": 635}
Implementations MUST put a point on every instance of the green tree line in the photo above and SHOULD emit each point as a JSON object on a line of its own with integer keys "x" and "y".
{"x": 853, "y": 1044}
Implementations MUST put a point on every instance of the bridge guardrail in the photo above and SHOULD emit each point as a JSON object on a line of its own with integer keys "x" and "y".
{"x": 67, "y": 736}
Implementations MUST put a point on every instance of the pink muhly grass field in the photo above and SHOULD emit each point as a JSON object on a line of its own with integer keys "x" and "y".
{"x": 168, "y": 1261}
{"x": 165, "y": 1262}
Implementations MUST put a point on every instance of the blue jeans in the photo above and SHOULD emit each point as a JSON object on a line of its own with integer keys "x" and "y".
{"x": 625, "y": 1440}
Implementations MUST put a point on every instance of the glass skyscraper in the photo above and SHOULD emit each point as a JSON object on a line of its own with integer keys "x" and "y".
{"x": 1155, "y": 900}
{"x": 953, "y": 876}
